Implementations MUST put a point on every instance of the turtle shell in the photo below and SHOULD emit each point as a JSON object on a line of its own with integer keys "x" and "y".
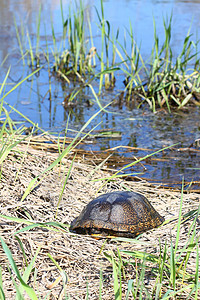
{"x": 118, "y": 213}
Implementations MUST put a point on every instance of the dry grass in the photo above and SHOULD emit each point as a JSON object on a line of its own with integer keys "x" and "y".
{"x": 79, "y": 256}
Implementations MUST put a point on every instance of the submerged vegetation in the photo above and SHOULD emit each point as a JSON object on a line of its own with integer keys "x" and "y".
{"x": 161, "y": 81}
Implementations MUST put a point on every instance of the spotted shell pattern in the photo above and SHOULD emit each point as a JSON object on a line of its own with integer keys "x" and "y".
{"x": 118, "y": 213}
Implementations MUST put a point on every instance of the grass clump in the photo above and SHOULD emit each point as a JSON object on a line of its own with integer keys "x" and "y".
{"x": 162, "y": 80}
{"x": 164, "y": 275}
{"x": 165, "y": 81}
{"x": 76, "y": 59}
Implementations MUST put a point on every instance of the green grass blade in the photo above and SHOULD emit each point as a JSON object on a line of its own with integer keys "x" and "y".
{"x": 63, "y": 187}
{"x": 19, "y": 40}
{"x": 4, "y": 81}
{"x": 38, "y": 29}
{"x": 172, "y": 267}
{"x": 64, "y": 153}
{"x": 116, "y": 284}
{"x": 179, "y": 218}
{"x": 25, "y": 286}
{"x": 2, "y": 295}
{"x": 22, "y": 249}
{"x": 134, "y": 163}
{"x": 28, "y": 271}
{"x": 18, "y": 84}
{"x": 197, "y": 281}
{"x": 47, "y": 225}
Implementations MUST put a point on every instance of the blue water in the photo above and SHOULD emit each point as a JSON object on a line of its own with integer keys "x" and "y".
{"x": 139, "y": 128}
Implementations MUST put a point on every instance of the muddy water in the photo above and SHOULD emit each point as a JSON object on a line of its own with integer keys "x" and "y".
{"x": 139, "y": 129}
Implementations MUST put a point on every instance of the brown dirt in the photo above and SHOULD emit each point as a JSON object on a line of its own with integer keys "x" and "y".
{"x": 80, "y": 257}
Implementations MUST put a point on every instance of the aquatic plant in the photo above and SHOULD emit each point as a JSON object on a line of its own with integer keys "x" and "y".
{"x": 162, "y": 80}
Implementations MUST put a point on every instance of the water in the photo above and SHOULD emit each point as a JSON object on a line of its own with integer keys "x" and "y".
{"x": 139, "y": 128}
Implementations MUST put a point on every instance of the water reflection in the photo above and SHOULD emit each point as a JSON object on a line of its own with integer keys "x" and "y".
{"x": 139, "y": 128}
{"x": 120, "y": 13}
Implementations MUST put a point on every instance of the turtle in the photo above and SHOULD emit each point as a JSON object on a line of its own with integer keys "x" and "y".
{"x": 119, "y": 213}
